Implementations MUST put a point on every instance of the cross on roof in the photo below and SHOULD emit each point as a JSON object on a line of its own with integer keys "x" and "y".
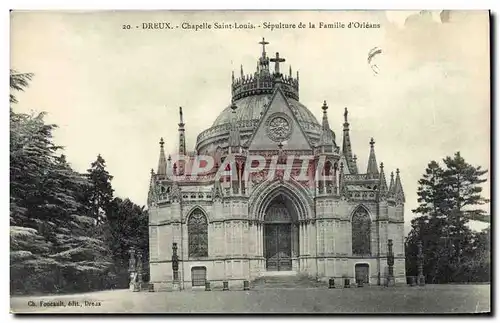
{"x": 277, "y": 60}
{"x": 263, "y": 43}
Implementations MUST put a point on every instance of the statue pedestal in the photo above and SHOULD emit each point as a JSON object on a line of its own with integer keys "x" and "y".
{"x": 134, "y": 287}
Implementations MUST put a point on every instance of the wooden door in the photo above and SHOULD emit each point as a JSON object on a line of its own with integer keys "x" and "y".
{"x": 278, "y": 247}
{"x": 362, "y": 273}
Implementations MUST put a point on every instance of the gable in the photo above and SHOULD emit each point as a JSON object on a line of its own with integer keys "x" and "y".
{"x": 278, "y": 124}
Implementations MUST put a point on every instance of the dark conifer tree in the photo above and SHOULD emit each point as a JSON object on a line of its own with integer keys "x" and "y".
{"x": 448, "y": 198}
{"x": 100, "y": 192}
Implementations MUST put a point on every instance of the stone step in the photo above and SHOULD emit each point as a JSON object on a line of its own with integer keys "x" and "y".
{"x": 286, "y": 282}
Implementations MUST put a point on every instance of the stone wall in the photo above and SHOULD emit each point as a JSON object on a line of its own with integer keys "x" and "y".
{"x": 236, "y": 243}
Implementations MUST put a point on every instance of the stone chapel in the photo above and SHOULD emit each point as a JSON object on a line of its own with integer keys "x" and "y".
{"x": 318, "y": 215}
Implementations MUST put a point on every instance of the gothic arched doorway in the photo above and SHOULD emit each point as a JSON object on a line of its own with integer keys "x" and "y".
{"x": 280, "y": 236}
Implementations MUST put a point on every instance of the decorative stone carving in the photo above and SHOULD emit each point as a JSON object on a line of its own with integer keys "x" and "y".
{"x": 279, "y": 127}
{"x": 277, "y": 213}
{"x": 176, "y": 193}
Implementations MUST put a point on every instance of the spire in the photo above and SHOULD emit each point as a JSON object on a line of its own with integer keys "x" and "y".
{"x": 327, "y": 136}
{"x": 182, "y": 135}
{"x": 355, "y": 164}
{"x": 342, "y": 187}
{"x": 169, "y": 166}
{"x": 382, "y": 186}
{"x": 234, "y": 132}
{"x": 290, "y": 71}
{"x": 346, "y": 144}
{"x": 399, "y": 195}
{"x": 162, "y": 162}
{"x": 241, "y": 71}
{"x": 151, "y": 192}
{"x": 391, "y": 185}
{"x": 232, "y": 76}
{"x": 372, "y": 168}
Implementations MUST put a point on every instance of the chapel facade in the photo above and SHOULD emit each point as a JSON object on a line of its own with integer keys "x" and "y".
{"x": 281, "y": 196}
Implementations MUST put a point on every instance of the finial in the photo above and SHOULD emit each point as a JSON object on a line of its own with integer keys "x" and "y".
{"x": 241, "y": 70}
{"x": 280, "y": 146}
{"x": 345, "y": 115}
{"x": 372, "y": 142}
{"x": 152, "y": 171}
{"x": 169, "y": 158}
{"x": 161, "y": 142}
{"x": 392, "y": 175}
{"x": 341, "y": 166}
{"x": 324, "y": 107}
{"x": 263, "y": 43}
{"x": 397, "y": 171}
{"x": 297, "y": 75}
{"x": 290, "y": 71}
{"x": 180, "y": 115}
{"x": 382, "y": 165}
{"x": 232, "y": 76}
{"x": 355, "y": 157}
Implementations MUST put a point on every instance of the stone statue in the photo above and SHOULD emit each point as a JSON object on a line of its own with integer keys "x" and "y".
{"x": 131, "y": 260}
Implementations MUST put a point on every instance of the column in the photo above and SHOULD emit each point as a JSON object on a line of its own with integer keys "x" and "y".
{"x": 314, "y": 240}
{"x": 243, "y": 246}
{"x": 251, "y": 235}
{"x": 224, "y": 239}
{"x": 301, "y": 239}
{"x": 256, "y": 237}
{"x": 240, "y": 186}
{"x": 306, "y": 239}
{"x": 259, "y": 239}
{"x": 420, "y": 257}
{"x": 309, "y": 239}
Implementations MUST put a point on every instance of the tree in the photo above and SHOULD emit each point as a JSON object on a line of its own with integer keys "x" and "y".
{"x": 59, "y": 241}
{"x": 100, "y": 192}
{"x": 18, "y": 82}
{"x": 126, "y": 227}
{"x": 463, "y": 187}
{"x": 448, "y": 197}
{"x": 51, "y": 243}
{"x": 430, "y": 192}
{"x": 78, "y": 248}
{"x": 31, "y": 157}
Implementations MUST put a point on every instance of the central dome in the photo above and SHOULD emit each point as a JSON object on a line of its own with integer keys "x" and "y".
{"x": 251, "y": 108}
{"x": 252, "y": 93}
{"x": 248, "y": 115}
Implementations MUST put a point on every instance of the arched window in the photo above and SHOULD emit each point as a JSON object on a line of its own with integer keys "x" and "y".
{"x": 328, "y": 167}
{"x": 361, "y": 229}
{"x": 198, "y": 234}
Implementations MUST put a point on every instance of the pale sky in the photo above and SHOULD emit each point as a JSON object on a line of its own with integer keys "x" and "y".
{"x": 116, "y": 92}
